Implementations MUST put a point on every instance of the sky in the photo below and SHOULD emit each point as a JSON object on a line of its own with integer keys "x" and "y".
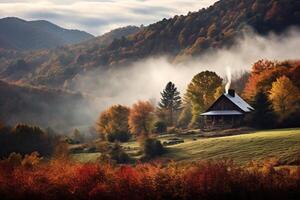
{"x": 99, "y": 16}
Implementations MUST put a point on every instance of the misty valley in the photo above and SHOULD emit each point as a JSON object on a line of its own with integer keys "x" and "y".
{"x": 197, "y": 105}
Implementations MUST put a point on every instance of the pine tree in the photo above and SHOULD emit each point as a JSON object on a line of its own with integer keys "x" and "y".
{"x": 170, "y": 102}
{"x": 263, "y": 116}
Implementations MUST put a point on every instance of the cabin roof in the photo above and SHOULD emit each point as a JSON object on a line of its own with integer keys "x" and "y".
{"x": 238, "y": 101}
{"x": 222, "y": 112}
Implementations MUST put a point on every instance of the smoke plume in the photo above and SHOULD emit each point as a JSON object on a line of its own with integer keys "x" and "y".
{"x": 228, "y": 75}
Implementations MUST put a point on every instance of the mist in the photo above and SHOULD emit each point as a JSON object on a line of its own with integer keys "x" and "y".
{"x": 145, "y": 79}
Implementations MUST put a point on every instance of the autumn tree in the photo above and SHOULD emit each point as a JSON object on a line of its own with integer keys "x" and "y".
{"x": 219, "y": 91}
{"x": 185, "y": 116}
{"x": 141, "y": 118}
{"x": 170, "y": 102}
{"x": 284, "y": 96}
{"x": 201, "y": 92}
{"x": 258, "y": 79}
{"x": 265, "y": 72}
{"x": 113, "y": 123}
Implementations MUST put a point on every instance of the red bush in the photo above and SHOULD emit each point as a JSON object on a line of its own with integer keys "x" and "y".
{"x": 64, "y": 179}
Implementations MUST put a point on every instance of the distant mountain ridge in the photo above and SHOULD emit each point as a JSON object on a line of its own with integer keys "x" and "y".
{"x": 19, "y": 34}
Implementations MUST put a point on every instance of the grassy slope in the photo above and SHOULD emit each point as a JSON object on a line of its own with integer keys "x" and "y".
{"x": 283, "y": 144}
{"x": 86, "y": 157}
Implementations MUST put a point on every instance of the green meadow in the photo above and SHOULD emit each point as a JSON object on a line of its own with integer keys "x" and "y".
{"x": 281, "y": 144}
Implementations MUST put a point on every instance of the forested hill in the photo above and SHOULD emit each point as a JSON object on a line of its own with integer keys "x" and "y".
{"x": 177, "y": 37}
{"x": 213, "y": 27}
{"x": 45, "y": 107}
{"x": 19, "y": 34}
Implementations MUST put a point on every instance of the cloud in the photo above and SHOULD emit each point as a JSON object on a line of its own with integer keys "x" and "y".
{"x": 99, "y": 16}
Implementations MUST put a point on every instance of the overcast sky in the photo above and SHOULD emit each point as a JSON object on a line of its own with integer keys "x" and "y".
{"x": 99, "y": 16}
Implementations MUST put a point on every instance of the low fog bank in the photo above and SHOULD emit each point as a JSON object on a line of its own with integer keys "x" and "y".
{"x": 144, "y": 80}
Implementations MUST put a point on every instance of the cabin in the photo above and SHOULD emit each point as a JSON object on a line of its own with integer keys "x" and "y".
{"x": 227, "y": 111}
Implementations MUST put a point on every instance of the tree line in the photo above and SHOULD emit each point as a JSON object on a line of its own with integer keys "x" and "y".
{"x": 272, "y": 88}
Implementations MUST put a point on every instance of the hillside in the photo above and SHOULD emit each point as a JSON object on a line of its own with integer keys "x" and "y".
{"x": 40, "y": 106}
{"x": 214, "y": 27}
{"x": 106, "y": 39}
{"x": 179, "y": 37}
{"x": 19, "y": 34}
{"x": 60, "y": 64}
{"x": 280, "y": 144}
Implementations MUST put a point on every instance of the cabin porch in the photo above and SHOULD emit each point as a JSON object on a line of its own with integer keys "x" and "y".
{"x": 222, "y": 119}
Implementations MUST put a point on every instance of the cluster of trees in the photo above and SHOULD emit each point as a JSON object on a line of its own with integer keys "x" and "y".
{"x": 63, "y": 179}
{"x": 274, "y": 90}
{"x": 26, "y": 139}
{"x": 271, "y": 87}
{"x": 119, "y": 122}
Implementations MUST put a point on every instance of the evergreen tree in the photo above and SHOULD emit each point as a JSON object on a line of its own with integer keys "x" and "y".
{"x": 170, "y": 102}
{"x": 263, "y": 116}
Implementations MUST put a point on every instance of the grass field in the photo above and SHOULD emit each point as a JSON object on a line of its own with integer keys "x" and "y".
{"x": 86, "y": 157}
{"x": 283, "y": 144}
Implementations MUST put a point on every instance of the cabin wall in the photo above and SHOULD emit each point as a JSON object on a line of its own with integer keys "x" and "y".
{"x": 223, "y": 121}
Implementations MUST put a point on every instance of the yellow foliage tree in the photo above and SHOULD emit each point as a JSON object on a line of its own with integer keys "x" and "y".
{"x": 284, "y": 96}
{"x": 201, "y": 92}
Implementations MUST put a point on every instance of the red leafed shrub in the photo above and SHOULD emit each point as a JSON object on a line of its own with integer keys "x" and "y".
{"x": 65, "y": 179}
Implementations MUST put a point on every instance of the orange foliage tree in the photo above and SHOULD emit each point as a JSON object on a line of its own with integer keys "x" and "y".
{"x": 141, "y": 117}
{"x": 113, "y": 121}
{"x": 265, "y": 72}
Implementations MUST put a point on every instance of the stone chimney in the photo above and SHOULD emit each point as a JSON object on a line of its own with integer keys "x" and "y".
{"x": 231, "y": 92}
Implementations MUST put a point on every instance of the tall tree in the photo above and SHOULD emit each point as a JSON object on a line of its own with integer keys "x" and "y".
{"x": 113, "y": 123}
{"x": 284, "y": 96}
{"x": 263, "y": 116}
{"x": 141, "y": 118}
{"x": 185, "y": 116}
{"x": 201, "y": 92}
{"x": 170, "y": 102}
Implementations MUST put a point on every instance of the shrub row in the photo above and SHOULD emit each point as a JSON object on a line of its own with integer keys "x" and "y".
{"x": 63, "y": 179}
